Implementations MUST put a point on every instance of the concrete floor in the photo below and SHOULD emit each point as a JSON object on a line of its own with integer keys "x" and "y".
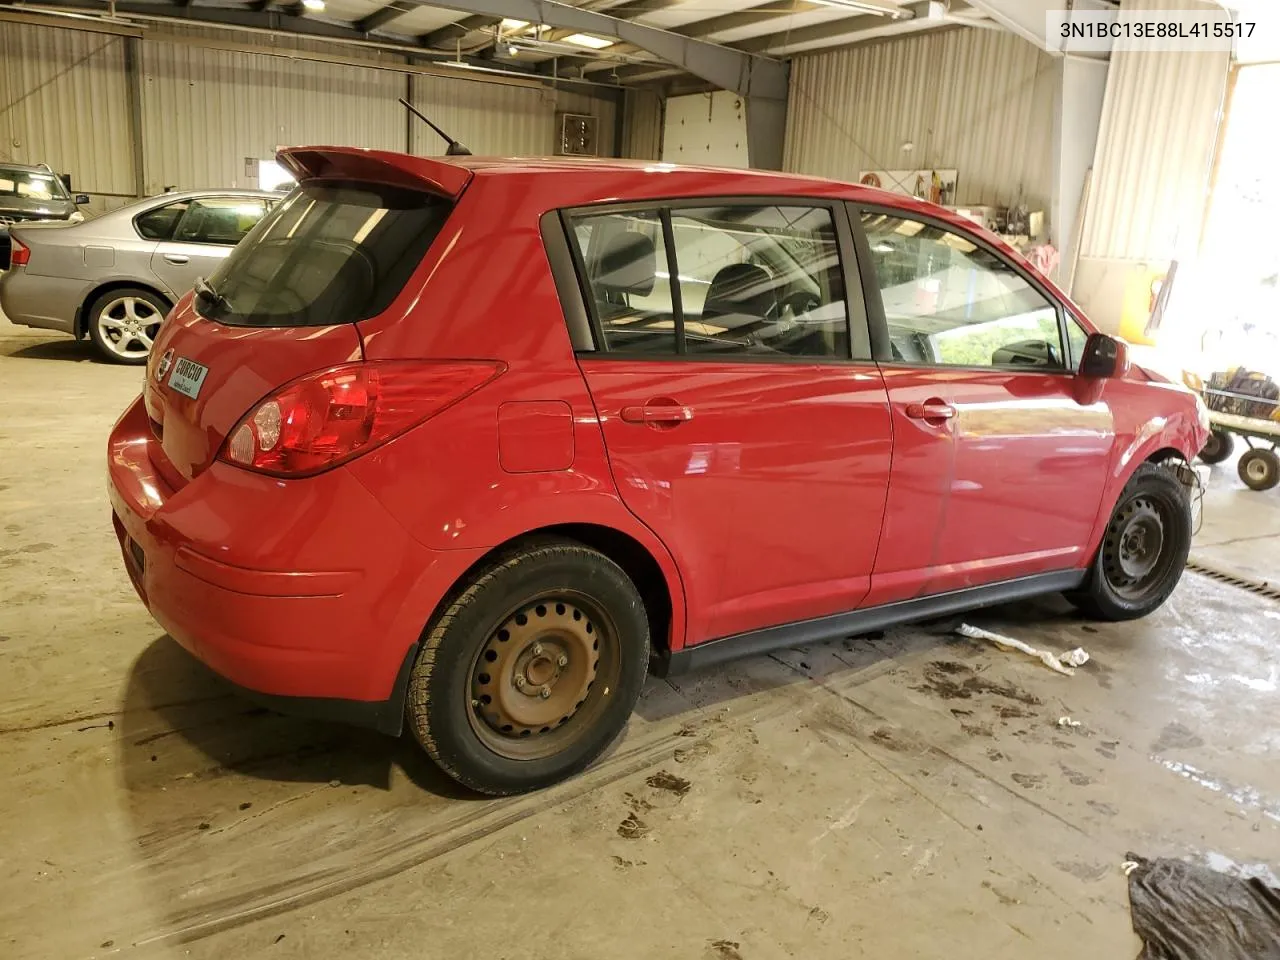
{"x": 912, "y": 796}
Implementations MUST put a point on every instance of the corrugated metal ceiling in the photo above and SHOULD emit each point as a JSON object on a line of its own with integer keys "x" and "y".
{"x": 768, "y": 27}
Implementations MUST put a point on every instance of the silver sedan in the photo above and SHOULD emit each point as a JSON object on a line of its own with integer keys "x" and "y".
{"x": 114, "y": 278}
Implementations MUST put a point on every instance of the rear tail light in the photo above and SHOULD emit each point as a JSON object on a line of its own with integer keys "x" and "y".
{"x": 19, "y": 254}
{"x": 328, "y": 417}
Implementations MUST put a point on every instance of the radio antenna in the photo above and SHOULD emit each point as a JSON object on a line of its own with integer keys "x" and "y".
{"x": 456, "y": 149}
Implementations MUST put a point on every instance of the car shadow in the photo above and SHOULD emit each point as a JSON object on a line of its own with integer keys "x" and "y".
{"x": 77, "y": 351}
{"x": 865, "y": 654}
{"x": 238, "y": 812}
{"x": 174, "y": 700}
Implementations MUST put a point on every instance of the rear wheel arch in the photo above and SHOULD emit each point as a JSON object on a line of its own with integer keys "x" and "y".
{"x": 82, "y": 314}
{"x": 635, "y": 559}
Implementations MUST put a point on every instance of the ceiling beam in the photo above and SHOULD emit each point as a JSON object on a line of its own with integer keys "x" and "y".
{"x": 449, "y": 35}
{"x": 914, "y": 16}
{"x": 746, "y": 74}
{"x": 1026, "y": 18}
{"x": 381, "y": 17}
{"x": 849, "y": 27}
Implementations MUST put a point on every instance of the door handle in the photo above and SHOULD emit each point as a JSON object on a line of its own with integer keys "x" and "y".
{"x": 177, "y": 258}
{"x": 657, "y": 412}
{"x": 931, "y": 411}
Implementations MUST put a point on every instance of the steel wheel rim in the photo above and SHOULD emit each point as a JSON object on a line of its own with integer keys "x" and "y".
{"x": 1257, "y": 469}
{"x": 543, "y": 676}
{"x": 1137, "y": 551}
{"x": 128, "y": 326}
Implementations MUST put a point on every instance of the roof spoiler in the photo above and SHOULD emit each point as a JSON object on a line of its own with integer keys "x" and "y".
{"x": 375, "y": 166}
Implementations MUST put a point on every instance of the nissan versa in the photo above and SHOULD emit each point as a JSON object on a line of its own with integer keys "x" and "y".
{"x": 476, "y": 444}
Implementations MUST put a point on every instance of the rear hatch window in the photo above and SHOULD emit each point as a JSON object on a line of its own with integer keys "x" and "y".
{"x": 332, "y": 252}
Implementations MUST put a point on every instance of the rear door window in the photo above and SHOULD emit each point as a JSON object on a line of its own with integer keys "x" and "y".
{"x": 329, "y": 253}
{"x": 626, "y": 261}
{"x": 158, "y": 224}
{"x": 219, "y": 220}
{"x": 757, "y": 280}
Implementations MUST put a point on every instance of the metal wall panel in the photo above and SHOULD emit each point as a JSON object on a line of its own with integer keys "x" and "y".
{"x": 64, "y": 101}
{"x": 492, "y": 119}
{"x": 206, "y": 111}
{"x": 978, "y": 101}
{"x": 1151, "y": 172}
{"x": 642, "y": 135}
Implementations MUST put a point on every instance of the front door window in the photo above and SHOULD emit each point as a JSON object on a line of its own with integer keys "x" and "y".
{"x": 950, "y": 302}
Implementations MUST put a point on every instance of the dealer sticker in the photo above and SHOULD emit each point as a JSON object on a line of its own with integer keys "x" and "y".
{"x": 187, "y": 377}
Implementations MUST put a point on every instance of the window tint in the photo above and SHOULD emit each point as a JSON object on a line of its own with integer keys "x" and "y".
{"x": 158, "y": 224}
{"x": 223, "y": 220}
{"x": 329, "y": 253}
{"x": 626, "y": 266}
{"x": 949, "y": 302}
{"x": 760, "y": 280}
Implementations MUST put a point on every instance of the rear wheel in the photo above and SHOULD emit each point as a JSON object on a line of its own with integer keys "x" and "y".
{"x": 1259, "y": 469}
{"x": 1218, "y": 447}
{"x": 123, "y": 323}
{"x": 1144, "y": 549}
{"x": 532, "y": 671}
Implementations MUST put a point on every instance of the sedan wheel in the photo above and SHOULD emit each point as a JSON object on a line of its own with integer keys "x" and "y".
{"x": 124, "y": 323}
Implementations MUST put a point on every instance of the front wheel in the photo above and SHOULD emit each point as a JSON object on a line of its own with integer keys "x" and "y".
{"x": 532, "y": 671}
{"x": 1218, "y": 447}
{"x": 1144, "y": 549}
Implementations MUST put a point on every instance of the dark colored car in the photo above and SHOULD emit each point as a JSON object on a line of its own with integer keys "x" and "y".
{"x": 33, "y": 195}
{"x": 466, "y": 441}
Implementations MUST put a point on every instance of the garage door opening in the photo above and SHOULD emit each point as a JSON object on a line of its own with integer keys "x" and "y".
{"x": 1224, "y": 309}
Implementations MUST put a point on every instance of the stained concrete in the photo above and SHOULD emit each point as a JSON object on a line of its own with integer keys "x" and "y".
{"x": 908, "y": 796}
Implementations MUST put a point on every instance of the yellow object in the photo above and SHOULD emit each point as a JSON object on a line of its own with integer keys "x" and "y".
{"x": 1139, "y": 298}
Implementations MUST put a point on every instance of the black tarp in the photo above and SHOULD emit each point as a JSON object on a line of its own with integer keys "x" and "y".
{"x": 1186, "y": 912}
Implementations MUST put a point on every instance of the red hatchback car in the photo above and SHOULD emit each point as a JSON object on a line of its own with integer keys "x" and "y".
{"x": 479, "y": 443}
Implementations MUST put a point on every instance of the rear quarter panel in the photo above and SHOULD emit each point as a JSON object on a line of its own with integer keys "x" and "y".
{"x": 485, "y": 291}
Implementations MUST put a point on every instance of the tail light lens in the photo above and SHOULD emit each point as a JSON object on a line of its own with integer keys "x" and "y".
{"x": 19, "y": 254}
{"x": 330, "y": 416}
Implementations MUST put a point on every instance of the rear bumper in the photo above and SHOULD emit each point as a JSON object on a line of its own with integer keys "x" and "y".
{"x": 304, "y": 593}
{"x": 50, "y": 303}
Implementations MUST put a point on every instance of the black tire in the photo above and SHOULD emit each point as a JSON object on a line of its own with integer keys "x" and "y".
{"x": 549, "y": 583}
{"x": 1259, "y": 469}
{"x": 1125, "y": 582}
{"x": 1218, "y": 447}
{"x": 136, "y": 313}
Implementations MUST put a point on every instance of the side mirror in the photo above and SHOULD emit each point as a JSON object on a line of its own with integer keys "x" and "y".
{"x": 82, "y": 199}
{"x": 1104, "y": 357}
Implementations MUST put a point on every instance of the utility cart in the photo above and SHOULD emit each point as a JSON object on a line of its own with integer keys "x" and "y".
{"x": 1246, "y": 405}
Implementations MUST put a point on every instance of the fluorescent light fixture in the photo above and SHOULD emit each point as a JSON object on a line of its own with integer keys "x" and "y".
{"x": 316, "y": 5}
{"x": 862, "y": 6}
{"x": 509, "y": 23}
{"x": 585, "y": 40}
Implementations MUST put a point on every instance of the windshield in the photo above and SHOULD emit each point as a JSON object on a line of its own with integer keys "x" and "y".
{"x": 30, "y": 185}
{"x": 330, "y": 253}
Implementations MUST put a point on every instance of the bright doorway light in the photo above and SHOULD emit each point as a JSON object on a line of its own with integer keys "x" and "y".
{"x": 508, "y": 23}
{"x": 315, "y": 5}
{"x": 272, "y": 176}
